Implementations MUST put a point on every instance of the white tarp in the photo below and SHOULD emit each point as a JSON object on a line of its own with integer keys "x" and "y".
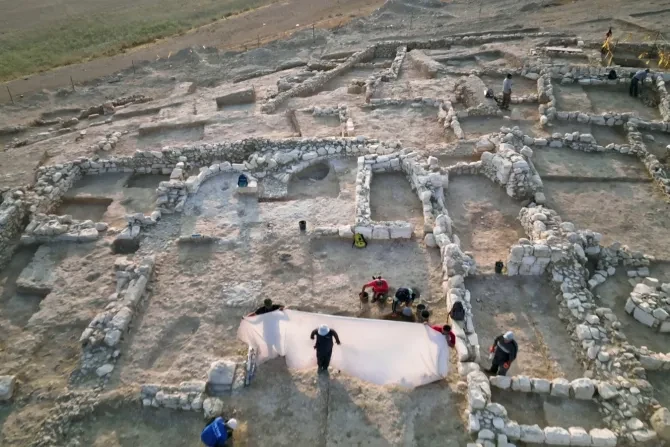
{"x": 378, "y": 351}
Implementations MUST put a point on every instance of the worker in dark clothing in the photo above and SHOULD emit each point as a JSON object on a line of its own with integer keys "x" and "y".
{"x": 447, "y": 332}
{"x": 402, "y": 295}
{"x": 267, "y": 307}
{"x": 638, "y": 78}
{"x": 324, "y": 345}
{"x": 218, "y": 432}
{"x": 504, "y": 350}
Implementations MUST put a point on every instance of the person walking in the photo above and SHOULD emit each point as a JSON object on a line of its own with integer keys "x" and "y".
{"x": 504, "y": 351}
{"x": 638, "y": 78}
{"x": 506, "y": 92}
{"x": 218, "y": 432}
{"x": 324, "y": 345}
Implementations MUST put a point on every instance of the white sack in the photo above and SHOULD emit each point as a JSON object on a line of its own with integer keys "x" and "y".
{"x": 378, "y": 351}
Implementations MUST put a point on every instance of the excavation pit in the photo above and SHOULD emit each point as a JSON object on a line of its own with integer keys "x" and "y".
{"x": 557, "y": 164}
{"x": 526, "y": 306}
{"x": 318, "y": 180}
{"x": 614, "y": 293}
{"x": 659, "y": 380}
{"x": 477, "y": 126}
{"x": 548, "y": 411}
{"x": 414, "y": 127}
{"x": 657, "y": 144}
{"x": 624, "y": 212}
{"x": 600, "y": 99}
{"x": 520, "y": 86}
{"x": 484, "y": 217}
{"x": 392, "y": 198}
{"x": 343, "y": 80}
{"x": 185, "y": 133}
{"x": 84, "y": 208}
{"x": 319, "y": 126}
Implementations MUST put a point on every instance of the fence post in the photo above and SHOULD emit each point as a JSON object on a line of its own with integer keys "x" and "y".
{"x": 10, "y": 94}
{"x": 72, "y": 82}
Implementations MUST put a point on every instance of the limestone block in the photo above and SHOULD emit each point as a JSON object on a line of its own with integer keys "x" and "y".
{"x": 400, "y": 231}
{"x": 644, "y": 436}
{"x": 602, "y": 437}
{"x": 512, "y": 430}
{"x": 122, "y": 319}
{"x": 365, "y": 231}
{"x": 579, "y": 437}
{"x": 502, "y": 382}
{"x": 212, "y": 407}
{"x": 497, "y": 410}
{"x": 429, "y": 240}
{"x": 630, "y": 306}
{"x": 477, "y": 400}
{"x": 521, "y": 383}
{"x": 112, "y": 338}
{"x": 532, "y": 434}
{"x": 380, "y": 232}
{"x": 345, "y": 232}
{"x": 7, "y": 385}
{"x": 665, "y": 327}
{"x": 660, "y": 422}
{"x": 486, "y": 434}
{"x": 660, "y": 314}
{"x": 220, "y": 376}
{"x": 473, "y": 424}
{"x": 556, "y": 436}
{"x": 541, "y": 386}
{"x": 607, "y": 391}
{"x": 105, "y": 369}
{"x": 644, "y": 317}
{"x": 582, "y": 389}
{"x": 560, "y": 387}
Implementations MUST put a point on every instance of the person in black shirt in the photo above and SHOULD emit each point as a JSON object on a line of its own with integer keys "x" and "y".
{"x": 267, "y": 307}
{"x": 324, "y": 345}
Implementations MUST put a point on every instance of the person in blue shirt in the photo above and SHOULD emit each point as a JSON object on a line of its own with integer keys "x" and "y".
{"x": 218, "y": 432}
{"x": 638, "y": 78}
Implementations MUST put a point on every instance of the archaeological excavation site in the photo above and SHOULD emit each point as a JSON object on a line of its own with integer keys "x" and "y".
{"x": 146, "y": 214}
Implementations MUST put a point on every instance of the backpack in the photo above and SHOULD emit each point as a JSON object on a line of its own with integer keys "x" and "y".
{"x": 457, "y": 311}
{"x": 359, "y": 241}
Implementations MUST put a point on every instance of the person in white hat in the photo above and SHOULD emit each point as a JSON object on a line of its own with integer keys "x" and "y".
{"x": 504, "y": 350}
{"x": 324, "y": 345}
{"x": 218, "y": 432}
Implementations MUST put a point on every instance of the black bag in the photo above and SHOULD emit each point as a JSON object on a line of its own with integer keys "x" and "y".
{"x": 457, "y": 311}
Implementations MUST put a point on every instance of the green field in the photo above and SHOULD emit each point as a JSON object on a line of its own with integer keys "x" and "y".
{"x": 35, "y": 36}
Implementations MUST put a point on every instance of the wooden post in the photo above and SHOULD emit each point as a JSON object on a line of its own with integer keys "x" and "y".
{"x": 10, "y": 95}
{"x": 133, "y": 62}
{"x": 72, "y": 82}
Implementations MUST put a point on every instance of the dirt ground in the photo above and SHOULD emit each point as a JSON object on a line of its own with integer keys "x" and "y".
{"x": 626, "y": 212}
{"x": 392, "y": 198}
{"x": 39, "y": 336}
{"x": 484, "y": 218}
{"x": 552, "y": 163}
{"x": 414, "y": 128}
{"x": 601, "y": 99}
{"x": 527, "y": 307}
{"x": 548, "y": 411}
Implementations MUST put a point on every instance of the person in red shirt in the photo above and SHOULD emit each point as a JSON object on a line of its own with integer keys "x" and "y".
{"x": 447, "y": 332}
{"x": 380, "y": 288}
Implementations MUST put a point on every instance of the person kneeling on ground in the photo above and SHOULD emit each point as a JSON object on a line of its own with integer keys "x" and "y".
{"x": 447, "y": 332}
{"x": 324, "y": 345}
{"x": 403, "y": 295}
{"x": 380, "y": 288}
{"x": 267, "y": 307}
{"x": 217, "y": 432}
{"x": 504, "y": 350}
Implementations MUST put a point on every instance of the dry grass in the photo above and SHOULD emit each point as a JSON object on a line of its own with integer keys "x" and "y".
{"x": 34, "y": 40}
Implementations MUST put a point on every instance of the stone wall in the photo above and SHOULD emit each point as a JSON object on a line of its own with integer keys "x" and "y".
{"x": 242, "y": 96}
{"x": 649, "y": 303}
{"x": 44, "y": 229}
{"x": 510, "y": 169}
{"x": 100, "y": 340}
{"x": 13, "y": 210}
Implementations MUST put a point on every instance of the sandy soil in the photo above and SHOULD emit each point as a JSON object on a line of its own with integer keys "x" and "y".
{"x": 484, "y": 218}
{"x": 415, "y": 128}
{"x": 526, "y": 306}
{"x": 626, "y": 212}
